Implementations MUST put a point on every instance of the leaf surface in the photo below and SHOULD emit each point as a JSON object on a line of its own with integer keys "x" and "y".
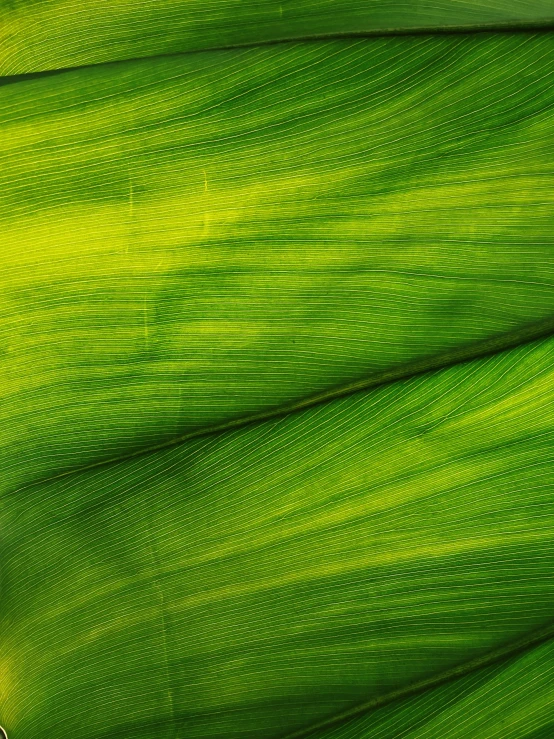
{"x": 191, "y": 240}
{"x": 510, "y": 700}
{"x": 277, "y": 391}
{"x": 37, "y": 36}
{"x": 251, "y": 583}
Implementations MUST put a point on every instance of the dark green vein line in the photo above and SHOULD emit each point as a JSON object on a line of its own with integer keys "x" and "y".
{"x": 510, "y": 340}
{"x": 11, "y": 79}
{"x": 509, "y": 27}
{"x": 496, "y": 655}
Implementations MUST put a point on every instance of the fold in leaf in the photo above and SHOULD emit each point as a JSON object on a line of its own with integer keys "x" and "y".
{"x": 190, "y": 240}
{"x": 511, "y": 700}
{"x": 38, "y": 36}
{"x": 251, "y": 583}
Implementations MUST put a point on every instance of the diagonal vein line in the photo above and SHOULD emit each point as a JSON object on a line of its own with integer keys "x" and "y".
{"x": 496, "y": 655}
{"x": 498, "y": 27}
{"x": 510, "y": 340}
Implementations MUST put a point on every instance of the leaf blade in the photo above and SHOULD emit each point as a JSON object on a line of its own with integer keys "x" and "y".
{"x": 512, "y": 699}
{"x": 166, "y": 269}
{"x": 258, "y": 581}
{"x": 66, "y": 33}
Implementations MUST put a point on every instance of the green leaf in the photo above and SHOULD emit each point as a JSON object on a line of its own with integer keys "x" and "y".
{"x": 250, "y": 583}
{"x": 277, "y": 393}
{"x": 189, "y": 240}
{"x": 37, "y": 36}
{"x": 509, "y": 700}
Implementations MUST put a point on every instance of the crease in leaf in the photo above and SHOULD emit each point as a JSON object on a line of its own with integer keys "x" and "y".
{"x": 38, "y": 36}
{"x": 408, "y": 525}
{"x": 512, "y": 700}
{"x": 191, "y": 240}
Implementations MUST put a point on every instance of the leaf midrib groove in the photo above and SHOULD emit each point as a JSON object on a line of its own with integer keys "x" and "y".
{"x": 504, "y": 652}
{"x": 498, "y": 27}
{"x": 476, "y": 350}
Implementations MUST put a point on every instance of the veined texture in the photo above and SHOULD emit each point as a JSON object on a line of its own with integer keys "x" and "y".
{"x": 277, "y": 372}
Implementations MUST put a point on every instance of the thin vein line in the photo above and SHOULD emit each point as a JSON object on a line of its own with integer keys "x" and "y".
{"x": 510, "y": 340}
{"x": 490, "y": 658}
{"x": 507, "y": 27}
